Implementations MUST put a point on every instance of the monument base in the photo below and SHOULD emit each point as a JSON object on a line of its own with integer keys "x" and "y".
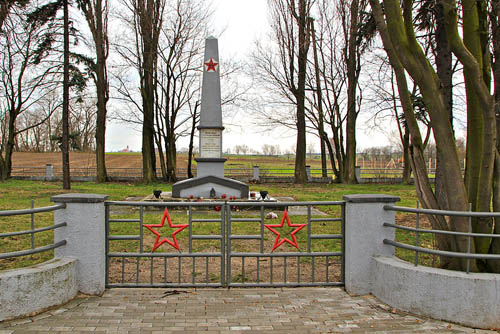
{"x": 209, "y": 187}
{"x": 210, "y": 166}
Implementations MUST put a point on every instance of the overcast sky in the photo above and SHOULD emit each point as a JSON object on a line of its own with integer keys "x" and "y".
{"x": 240, "y": 22}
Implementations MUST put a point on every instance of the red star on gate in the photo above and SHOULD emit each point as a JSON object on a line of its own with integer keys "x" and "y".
{"x": 277, "y": 242}
{"x": 158, "y": 243}
{"x": 211, "y": 66}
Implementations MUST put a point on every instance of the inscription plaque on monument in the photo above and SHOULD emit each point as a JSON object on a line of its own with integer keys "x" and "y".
{"x": 210, "y": 143}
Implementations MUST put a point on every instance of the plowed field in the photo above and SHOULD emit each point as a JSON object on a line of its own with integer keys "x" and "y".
{"x": 134, "y": 160}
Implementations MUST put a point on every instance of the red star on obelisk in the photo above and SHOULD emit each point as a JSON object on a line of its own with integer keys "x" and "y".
{"x": 277, "y": 242}
{"x": 158, "y": 243}
{"x": 211, "y": 66}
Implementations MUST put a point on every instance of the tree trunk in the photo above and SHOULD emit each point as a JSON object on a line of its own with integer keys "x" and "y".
{"x": 171, "y": 159}
{"x": 352, "y": 83}
{"x": 163, "y": 165}
{"x": 321, "y": 126}
{"x": 339, "y": 153}
{"x": 100, "y": 134}
{"x": 6, "y": 161}
{"x": 331, "y": 155}
{"x": 406, "y": 158}
{"x": 494, "y": 266}
{"x": 65, "y": 112}
{"x": 148, "y": 149}
{"x": 444, "y": 72}
{"x": 471, "y": 53}
{"x": 3, "y": 170}
{"x": 300, "y": 156}
{"x": 477, "y": 129}
{"x": 101, "y": 43}
{"x": 150, "y": 20}
{"x": 190, "y": 150}
{"x": 403, "y": 50}
{"x": 194, "y": 121}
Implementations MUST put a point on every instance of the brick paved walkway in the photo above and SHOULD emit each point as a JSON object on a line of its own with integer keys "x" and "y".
{"x": 302, "y": 310}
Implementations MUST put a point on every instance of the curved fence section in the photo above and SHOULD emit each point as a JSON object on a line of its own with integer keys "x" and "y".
{"x": 32, "y": 231}
{"x": 418, "y": 231}
{"x": 468, "y": 298}
{"x": 33, "y": 288}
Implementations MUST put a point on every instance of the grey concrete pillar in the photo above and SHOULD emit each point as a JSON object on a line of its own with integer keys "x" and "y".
{"x": 364, "y": 235}
{"x": 85, "y": 237}
{"x": 256, "y": 173}
{"x": 49, "y": 171}
{"x": 308, "y": 173}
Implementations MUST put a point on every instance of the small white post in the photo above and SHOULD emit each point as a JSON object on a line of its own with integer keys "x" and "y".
{"x": 49, "y": 172}
{"x": 256, "y": 173}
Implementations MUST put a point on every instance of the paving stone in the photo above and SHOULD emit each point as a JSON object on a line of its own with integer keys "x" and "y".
{"x": 300, "y": 310}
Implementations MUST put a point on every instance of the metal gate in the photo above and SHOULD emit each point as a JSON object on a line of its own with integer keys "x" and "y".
{"x": 224, "y": 244}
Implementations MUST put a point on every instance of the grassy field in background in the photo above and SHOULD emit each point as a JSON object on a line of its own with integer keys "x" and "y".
{"x": 16, "y": 194}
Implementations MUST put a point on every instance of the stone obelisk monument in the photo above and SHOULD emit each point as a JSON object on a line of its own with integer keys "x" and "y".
{"x": 210, "y": 181}
{"x": 210, "y": 161}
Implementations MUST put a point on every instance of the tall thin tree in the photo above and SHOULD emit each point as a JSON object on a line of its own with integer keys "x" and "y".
{"x": 65, "y": 113}
{"x": 96, "y": 15}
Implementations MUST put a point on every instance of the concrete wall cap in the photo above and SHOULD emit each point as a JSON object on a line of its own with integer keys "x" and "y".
{"x": 79, "y": 198}
{"x": 371, "y": 198}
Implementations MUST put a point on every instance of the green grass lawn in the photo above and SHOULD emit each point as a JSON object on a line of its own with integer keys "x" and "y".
{"x": 16, "y": 194}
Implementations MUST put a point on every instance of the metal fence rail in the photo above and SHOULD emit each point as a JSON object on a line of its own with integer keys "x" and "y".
{"x": 469, "y": 235}
{"x": 32, "y": 231}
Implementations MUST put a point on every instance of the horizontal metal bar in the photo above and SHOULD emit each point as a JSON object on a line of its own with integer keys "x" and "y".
{"x": 205, "y": 220}
{"x": 283, "y": 204}
{"x": 463, "y": 234}
{"x": 206, "y": 237}
{"x": 164, "y": 285}
{"x": 326, "y": 219}
{"x": 443, "y": 253}
{"x": 164, "y": 204}
{"x": 32, "y": 251}
{"x": 285, "y": 254}
{"x": 245, "y": 237}
{"x": 442, "y": 212}
{"x": 149, "y": 255}
{"x": 248, "y": 220}
{"x": 277, "y": 284}
{"x": 326, "y": 236}
{"x": 48, "y": 228}
{"x": 34, "y": 210}
{"x": 124, "y": 237}
{"x": 124, "y": 220}
{"x": 212, "y": 204}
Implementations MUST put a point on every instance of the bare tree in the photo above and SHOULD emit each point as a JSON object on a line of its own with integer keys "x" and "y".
{"x": 83, "y": 123}
{"x": 96, "y": 14}
{"x": 29, "y": 72}
{"x": 65, "y": 107}
{"x": 186, "y": 26}
{"x": 405, "y": 53}
{"x": 283, "y": 66}
{"x": 241, "y": 149}
{"x": 38, "y": 122}
{"x": 144, "y": 18}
